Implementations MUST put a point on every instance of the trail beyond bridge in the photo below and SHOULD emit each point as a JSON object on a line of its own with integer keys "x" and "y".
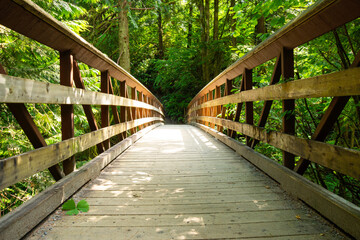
{"x": 194, "y": 181}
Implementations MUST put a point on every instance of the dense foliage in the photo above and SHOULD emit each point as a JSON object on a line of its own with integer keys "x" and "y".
{"x": 176, "y": 47}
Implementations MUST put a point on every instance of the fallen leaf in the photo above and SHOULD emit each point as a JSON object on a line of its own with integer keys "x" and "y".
{"x": 298, "y": 217}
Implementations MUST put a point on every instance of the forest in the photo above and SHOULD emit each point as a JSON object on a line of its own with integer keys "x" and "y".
{"x": 176, "y": 47}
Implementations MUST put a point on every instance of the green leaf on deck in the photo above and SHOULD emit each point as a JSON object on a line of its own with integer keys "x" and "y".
{"x": 83, "y": 206}
{"x": 69, "y": 205}
{"x": 72, "y": 212}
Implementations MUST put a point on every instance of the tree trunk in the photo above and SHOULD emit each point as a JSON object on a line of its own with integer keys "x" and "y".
{"x": 259, "y": 28}
{"x": 217, "y": 53}
{"x": 205, "y": 26}
{"x": 160, "y": 33}
{"x": 232, "y": 23}
{"x": 124, "y": 49}
{"x": 189, "y": 36}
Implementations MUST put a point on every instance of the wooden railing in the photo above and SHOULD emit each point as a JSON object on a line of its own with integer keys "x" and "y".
{"x": 207, "y": 110}
{"x": 139, "y": 108}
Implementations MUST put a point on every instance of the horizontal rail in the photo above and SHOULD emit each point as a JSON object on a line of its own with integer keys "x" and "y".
{"x": 331, "y": 84}
{"x": 20, "y": 90}
{"x": 24, "y": 165}
{"x": 19, "y": 222}
{"x": 325, "y": 154}
{"x": 320, "y": 18}
{"x": 343, "y": 213}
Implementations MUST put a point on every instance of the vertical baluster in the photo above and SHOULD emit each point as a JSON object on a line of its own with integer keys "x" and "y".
{"x": 67, "y": 111}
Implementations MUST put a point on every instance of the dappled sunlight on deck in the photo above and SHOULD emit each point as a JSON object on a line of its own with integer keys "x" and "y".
{"x": 179, "y": 183}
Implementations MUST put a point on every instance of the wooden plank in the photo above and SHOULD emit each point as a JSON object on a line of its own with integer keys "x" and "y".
{"x": 185, "y": 219}
{"x": 318, "y": 19}
{"x": 105, "y": 121}
{"x": 227, "y": 231}
{"x": 337, "y": 158}
{"x": 18, "y": 167}
{"x": 321, "y": 86}
{"x": 20, "y": 90}
{"x": 20, "y": 221}
{"x": 190, "y": 208}
{"x": 137, "y": 201}
{"x": 343, "y": 213}
{"x": 79, "y": 83}
{"x": 28, "y": 19}
{"x": 288, "y": 105}
{"x": 67, "y": 111}
{"x": 179, "y": 194}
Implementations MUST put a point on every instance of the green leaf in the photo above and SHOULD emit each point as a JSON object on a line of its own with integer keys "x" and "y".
{"x": 83, "y": 206}
{"x": 69, "y": 205}
{"x": 72, "y": 212}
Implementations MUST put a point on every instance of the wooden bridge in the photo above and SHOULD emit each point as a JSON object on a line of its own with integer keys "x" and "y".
{"x": 181, "y": 181}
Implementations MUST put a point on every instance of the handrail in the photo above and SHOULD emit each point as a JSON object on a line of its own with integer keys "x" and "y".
{"x": 318, "y": 19}
{"x": 30, "y": 20}
{"x": 207, "y": 110}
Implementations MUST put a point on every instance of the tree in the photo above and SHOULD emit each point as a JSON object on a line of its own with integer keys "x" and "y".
{"x": 124, "y": 49}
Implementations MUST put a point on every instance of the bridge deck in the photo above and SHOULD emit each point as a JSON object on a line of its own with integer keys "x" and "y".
{"x": 177, "y": 182}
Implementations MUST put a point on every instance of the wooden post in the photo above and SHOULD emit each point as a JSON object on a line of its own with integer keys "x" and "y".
{"x": 267, "y": 104}
{"x": 79, "y": 83}
{"x": 105, "y": 88}
{"x": 288, "y": 123}
{"x": 140, "y": 110}
{"x": 133, "y": 109}
{"x": 218, "y": 108}
{"x": 238, "y": 107}
{"x": 249, "y": 109}
{"x": 228, "y": 88}
{"x": 211, "y": 109}
{"x": 122, "y": 108}
{"x": 67, "y": 111}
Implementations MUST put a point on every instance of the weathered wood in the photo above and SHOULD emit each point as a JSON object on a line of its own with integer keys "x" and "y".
{"x": 30, "y": 129}
{"x": 18, "y": 167}
{"x": 105, "y": 121}
{"x": 156, "y": 221}
{"x": 20, "y": 90}
{"x": 331, "y": 84}
{"x": 79, "y": 83}
{"x": 20, "y": 221}
{"x": 318, "y": 19}
{"x": 227, "y": 231}
{"x": 288, "y": 105}
{"x": 67, "y": 111}
{"x": 325, "y": 154}
{"x": 28, "y": 19}
{"x": 343, "y": 213}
